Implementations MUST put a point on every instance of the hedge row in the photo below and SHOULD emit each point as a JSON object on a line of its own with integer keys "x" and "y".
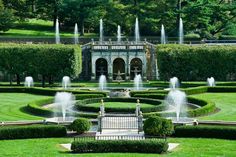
{"x": 45, "y": 91}
{"x": 41, "y": 59}
{"x": 36, "y": 108}
{"x": 221, "y": 89}
{"x": 196, "y": 62}
{"x": 32, "y": 131}
{"x": 136, "y": 146}
{"x": 83, "y": 105}
{"x": 206, "y": 106}
{"x": 201, "y": 131}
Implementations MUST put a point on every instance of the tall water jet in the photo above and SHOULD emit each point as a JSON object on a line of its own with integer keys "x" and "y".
{"x": 29, "y": 81}
{"x": 66, "y": 82}
{"x": 57, "y": 32}
{"x": 138, "y": 83}
{"x": 102, "y": 82}
{"x": 119, "y": 34}
{"x": 211, "y": 82}
{"x": 64, "y": 102}
{"x": 181, "y": 31}
{"x": 163, "y": 35}
{"x": 176, "y": 100}
{"x": 137, "y": 33}
{"x": 174, "y": 83}
{"x": 101, "y": 31}
{"x": 76, "y": 34}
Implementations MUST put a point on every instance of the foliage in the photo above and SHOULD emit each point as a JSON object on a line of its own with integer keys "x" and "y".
{"x": 32, "y": 131}
{"x": 105, "y": 146}
{"x": 6, "y": 18}
{"x": 157, "y": 126}
{"x": 197, "y": 62}
{"x": 222, "y": 132}
{"x": 84, "y": 105}
{"x": 81, "y": 125}
{"x": 49, "y": 61}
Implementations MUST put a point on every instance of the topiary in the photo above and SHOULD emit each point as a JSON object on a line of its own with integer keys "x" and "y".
{"x": 157, "y": 126}
{"x": 81, "y": 125}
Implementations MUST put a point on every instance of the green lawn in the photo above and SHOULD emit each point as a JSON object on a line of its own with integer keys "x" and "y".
{"x": 38, "y": 28}
{"x": 121, "y": 105}
{"x": 11, "y": 104}
{"x": 226, "y": 102}
{"x": 51, "y": 148}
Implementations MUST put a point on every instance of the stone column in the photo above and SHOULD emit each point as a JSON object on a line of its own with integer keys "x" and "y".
{"x": 144, "y": 71}
{"x": 110, "y": 70}
{"x": 93, "y": 75}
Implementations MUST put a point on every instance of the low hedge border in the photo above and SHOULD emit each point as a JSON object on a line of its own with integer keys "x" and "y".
{"x": 45, "y": 91}
{"x": 207, "y": 107}
{"x": 36, "y": 108}
{"x": 83, "y": 105}
{"x": 32, "y": 131}
{"x": 124, "y": 146}
{"x": 221, "y": 89}
{"x": 221, "y": 132}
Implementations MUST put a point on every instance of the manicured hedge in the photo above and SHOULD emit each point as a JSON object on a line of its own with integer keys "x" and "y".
{"x": 47, "y": 91}
{"x": 201, "y": 131}
{"x": 41, "y": 59}
{"x": 32, "y": 131}
{"x": 80, "y": 125}
{"x": 221, "y": 89}
{"x": 207, "y": 107}
{"x": 83, "y": 105}
{"x": 136, "y": 146}
{"x": 196, "y": 62}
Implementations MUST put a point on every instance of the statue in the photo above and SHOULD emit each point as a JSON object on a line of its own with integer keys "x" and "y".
{"x": 118, "y": 75}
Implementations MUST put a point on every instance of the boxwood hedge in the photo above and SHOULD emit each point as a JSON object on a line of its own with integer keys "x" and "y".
{"x": 32, "y": 131}
{"x": 196, "y": 62}
{"x": 202, "y": 131}
{"x": 124, "y": 146}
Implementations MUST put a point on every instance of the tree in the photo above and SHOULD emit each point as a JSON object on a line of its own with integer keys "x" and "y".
{"x": 6, "y": 18}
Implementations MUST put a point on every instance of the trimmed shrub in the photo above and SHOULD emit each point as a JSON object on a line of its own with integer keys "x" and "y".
{"x": 202, "y": 131}
{"x": 136, "y": 146}
{"x": 83, "y": 105}
{"x": 157, "y": 126}
{"x": 196, "y": 62}
{"x": 32, "y": 131}
{"x": 221, "y": 89}
{"x": 81, "y": 125}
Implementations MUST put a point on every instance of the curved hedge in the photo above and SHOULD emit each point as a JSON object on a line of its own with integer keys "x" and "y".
{"x": 207, "y": 107}
{"x": 221, "y": 89}
{"x": 222, "y": 132}
{"x": 83, "y": 105}
{"x": 131, "y": 146}
{"x": 36, "y": 108}
{"x": 32, "y": 131}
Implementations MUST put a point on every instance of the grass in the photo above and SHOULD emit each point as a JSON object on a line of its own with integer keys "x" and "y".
{"x": 226, "y": 102}
{"x": 121, "y": 105}
{"x": 51, "y": 148}
{"x": 11, "y": 104}
{"x": 38, "y": 28}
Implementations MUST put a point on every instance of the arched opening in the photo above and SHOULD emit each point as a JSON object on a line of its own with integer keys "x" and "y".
{"x": 135, "y": 67}
{"x": 101, "y": 67}
{"x": 118, "y": 69}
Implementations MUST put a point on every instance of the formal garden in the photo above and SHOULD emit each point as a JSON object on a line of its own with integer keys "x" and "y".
{"x": 117, "y": 78}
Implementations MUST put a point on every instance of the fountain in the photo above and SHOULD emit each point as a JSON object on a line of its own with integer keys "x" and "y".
{"x": 64, "y": 102}
{"x": 137, "y": 34}
{"x": 138, "y": 83}
{"x": 119, "y": 34}
{"x": 174, "y": 83}
{"x": 76, "y": 34}
{"x": 29, "y": 82}
{"x": 57, "y": 32}
{"x": 163, "y": 35}
{"x": 181, "y": 31}
{"x": 211, "y": 82}
{"x": 176, "y": 101}
{"x": 101, "y": 31}
{"x": 102, "y": 82}
{"x": 66, "y": 82}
